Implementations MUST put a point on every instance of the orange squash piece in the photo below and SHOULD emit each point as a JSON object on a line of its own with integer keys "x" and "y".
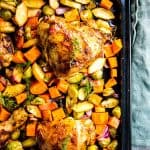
{"x": 100, "y": 129}
{"x": 100, "y": 118}
{"x": 110, "y": 83}
{"x": 58, "y": 114}
{"x": 47, "y": 115}
{"x": 46, "y": 97}
{"x": 18, "y": 57}
{"x": 62, "y": 86}
{"x": 31, "y": 128}
{"x": 98, "y": 86}
{"x": 48, "y": 106}
{"x": 32, "y": 54}
{"x": 106, "y": 4}
{"x": 1, "y": 87}
{"x": 38, "y": 87}
{"x": 108, "y": 51}
{"x": 117, "y": 46}
{"x": 113, "y": 73}
{"x": 113, "y": 63}
{"x": 4, "y": 114}
{"x": 21, "y": 98}
{"x": 54, "y": 93}
{"x": 114, "y": 122}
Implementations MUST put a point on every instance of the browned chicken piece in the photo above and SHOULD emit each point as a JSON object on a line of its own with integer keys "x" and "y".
{"x": 17, "y": 119}
{"x": 6, "y": 50}
{"x": 67, "y": 134}
{"x": 67, "y": 45}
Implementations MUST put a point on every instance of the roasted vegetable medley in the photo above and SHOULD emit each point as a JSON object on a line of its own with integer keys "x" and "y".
{"x": 59, "y": 75}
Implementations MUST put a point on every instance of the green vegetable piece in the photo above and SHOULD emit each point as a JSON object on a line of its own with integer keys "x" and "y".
{"x": 6, "y": 14}
{"x": 73, "y": 91}
{"x": 27, "y": 73}
{"x": 94, "y": 99}
{"x": 38, "y": 101}
{"x": 9, "y": 103}
{"x": 108, "y": 92}
{"x": 82, "y": 93}
{"x": 113, "y": 132}
{"x": 14, "y": 145}
{"x": 78, "y": 115}
{"x": 82, "y": 107}
{"x": 86, "y": 15}
{"x": 71, "y": 4}
{"x": 29, "y": 142}
{"x": 65, "y": 143}
{"x": 93, "y": 147}
{"x": 15, "y": 135}
{"x": 91, "y": 5}
{"x": 48, "y": 11}
{"x": 110, "y": 103}
{"x": 103, "y": 13}
{"x": 113, "y": 145}
{"x": 34, "y": 110}
{"x": 97, "y": 75}
{"x": 117, "y": 112}
{"x": 14, "y": 90}
{"x": 83, "y": 1}
{"x": 104, "y": 142}
{"x": 75, "y": 78}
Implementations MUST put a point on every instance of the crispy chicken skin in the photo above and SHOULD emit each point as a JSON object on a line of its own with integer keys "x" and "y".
{"x": 67, "y": 45}
{"x": 6, "y": 50}
{"x": 66, "y": 134}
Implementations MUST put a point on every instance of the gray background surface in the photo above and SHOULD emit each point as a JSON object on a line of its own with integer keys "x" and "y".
{"x": 140, "y": 82}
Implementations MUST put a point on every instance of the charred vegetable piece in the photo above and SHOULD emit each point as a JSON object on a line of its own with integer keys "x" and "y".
{"x": 103, "y": 13}
{"x": 110, "y": 103}
{"x": 14, "y": 145}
